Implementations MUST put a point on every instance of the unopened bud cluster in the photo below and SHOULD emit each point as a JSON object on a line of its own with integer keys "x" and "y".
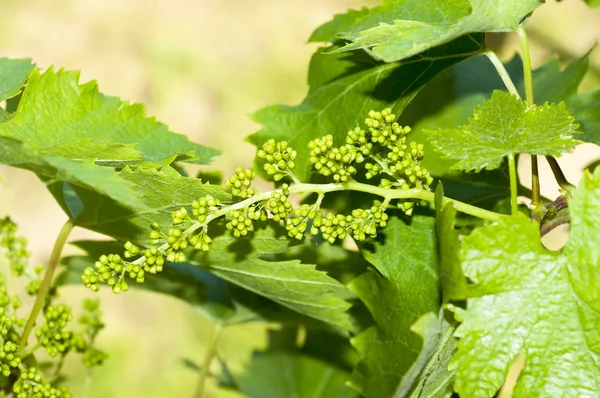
{"x": 379, "y": 150}
{"x": 279, "y": 159}
{"x": 382, "y": 149}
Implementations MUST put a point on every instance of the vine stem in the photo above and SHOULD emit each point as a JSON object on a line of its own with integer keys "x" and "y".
{"x": 59, "y": 244}
{"x": 208, "y": 357}
{"x": 527, "y": 70}
{"x": 503, "y": 73}
{"x": 321, "y": 189}
{"x": 559, "y": 176}
{"x": 512, "y": 171}
{"x": 536, "y": 198}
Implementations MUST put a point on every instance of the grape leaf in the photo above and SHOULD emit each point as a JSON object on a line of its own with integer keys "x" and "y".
{"x": 558, "y": 314}
{"x": 585, "y": 109}
{"x": 67, "y": 112}
{"x": 403, "y": 287}
{"x": 283, "y": 374}
{"x": 13, "y": 74}
{"x": 399, "y": 29}
{"x": 329, "y": 31}
{"x": 159, "y": 194}
{"x": 429, "y": 377}
{"x": 248, "y": 262}
{"x": 63, "y": 132}
{"x": 552, "y": 83}
{"x": 448, "y": 101}
{"x": 84, "y": 174}
{"x": 503, "y": 126}
{"x": 343, "y": 88}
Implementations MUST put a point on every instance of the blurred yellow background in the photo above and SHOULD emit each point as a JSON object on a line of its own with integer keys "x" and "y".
{"x": 201, "y": 67}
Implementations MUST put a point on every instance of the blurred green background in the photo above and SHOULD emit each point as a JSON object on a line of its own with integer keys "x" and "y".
{"x": 201, "y": 67}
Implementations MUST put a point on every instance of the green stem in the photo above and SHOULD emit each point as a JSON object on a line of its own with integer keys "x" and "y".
{"x": 559, "y": 176}
{"x": 536, "y": 200}
{"x": 321, "y": 189}
{"x": 512, "y": 170}
{"x": 527, "y": 71}
{"x": 503, "y": 73}
{"x": 208, "y": 357}
{"x": 536, "y": 196}
{"x": 60, "y": 242}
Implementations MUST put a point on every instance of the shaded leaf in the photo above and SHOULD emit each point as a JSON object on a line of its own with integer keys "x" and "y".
{"x": 329, "y": 32}
{"x": 248, "y": 262}
{"x": 504, "y": 126}
{"x": 402, "y": 287}
{"x": 552, "y": 83}
{"x": 281, "y": 374}
{"x": 399, "y": 29}
{"x": 585, "y": 109}
{"x": 85, "y": 174}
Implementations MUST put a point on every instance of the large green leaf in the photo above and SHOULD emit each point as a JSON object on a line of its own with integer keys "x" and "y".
{"x": 344, "y": 88}
{"x": 64, "y": 132}
{"x": 249, "y": 262}
{"x": 399, "y": 29}
{"x": 13, "y": 74}
{"x": 403, "y": 287}
{"x": 505, "y": 126}
{"x": 558, "y": 317}
{"x": 56, "y": 112}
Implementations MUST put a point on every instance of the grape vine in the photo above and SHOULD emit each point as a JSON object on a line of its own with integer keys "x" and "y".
{"x": 381, "y": 153}
{"x": 393, "y": 253}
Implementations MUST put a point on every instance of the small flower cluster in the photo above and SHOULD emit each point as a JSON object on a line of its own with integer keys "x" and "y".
{"x": 279, "y": 159}
{"x": 32, "y": 385}
{"x": 360, "y": 224}
{"x": 18, "y": 255}
{"x": 16, "y": 247}
{"x": 53, "y": 334}
{"x": 241, "y": 183}
{"x": 382, "y": 148}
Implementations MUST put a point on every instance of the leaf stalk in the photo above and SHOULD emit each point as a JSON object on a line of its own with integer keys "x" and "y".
{"x": 512, "y": 171}
{"x": 503, "y": 73}
{"x": 208, "y": 357}
{"x": 40, "y": 300}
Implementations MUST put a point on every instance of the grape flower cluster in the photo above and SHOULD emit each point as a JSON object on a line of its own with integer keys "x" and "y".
{"x": 53, "y": 334}
{"x": 380, "y": 151}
